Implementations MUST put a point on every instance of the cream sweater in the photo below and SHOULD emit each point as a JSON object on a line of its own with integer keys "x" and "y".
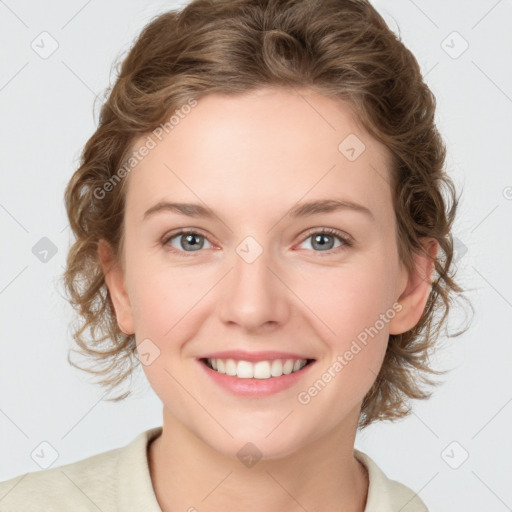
{"x": 119, "y": 481}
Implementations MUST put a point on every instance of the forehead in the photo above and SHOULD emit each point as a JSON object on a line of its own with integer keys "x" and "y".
{"x": 271, "y": 145}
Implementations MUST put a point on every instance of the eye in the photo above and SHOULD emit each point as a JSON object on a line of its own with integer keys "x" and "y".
{"x": 185, "y": 241}
{"x": 189, "y": 241}
{"x": 323, "y": 240}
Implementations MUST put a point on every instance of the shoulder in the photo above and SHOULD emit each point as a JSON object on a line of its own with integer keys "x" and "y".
{"x": 386, "y": 495}
{"x": 81, "y": 486}
{"x": 118, "y": 479}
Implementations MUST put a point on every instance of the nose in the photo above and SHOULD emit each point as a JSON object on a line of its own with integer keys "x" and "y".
{"x": 254, "y": 295}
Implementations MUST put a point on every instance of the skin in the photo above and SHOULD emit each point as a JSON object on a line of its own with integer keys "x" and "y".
{"x": 251, "y": 158}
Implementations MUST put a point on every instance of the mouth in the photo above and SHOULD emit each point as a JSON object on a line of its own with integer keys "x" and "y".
{"x": 271, "y": 369}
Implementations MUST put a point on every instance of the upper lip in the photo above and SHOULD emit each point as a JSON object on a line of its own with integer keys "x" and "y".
{"x": 242, "y": 355}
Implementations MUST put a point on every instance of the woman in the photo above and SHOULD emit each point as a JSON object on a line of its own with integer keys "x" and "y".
{"x": 260, "y": 220}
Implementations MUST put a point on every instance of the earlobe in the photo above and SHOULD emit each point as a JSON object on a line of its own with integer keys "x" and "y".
{"x": 114, "y": 279}
{"x": 417, "y": 289}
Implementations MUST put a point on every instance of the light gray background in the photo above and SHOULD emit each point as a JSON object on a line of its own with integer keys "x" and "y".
{"x": 47, "y": 116}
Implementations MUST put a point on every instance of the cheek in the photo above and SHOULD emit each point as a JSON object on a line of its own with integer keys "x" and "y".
{"x": 170, "y": 306}
{"x": 162, "y": 302}
{"x": 353, "y": 323}
{"x": 163, "y": 308}
{"x": 353, "y": 306}
{"x": 348, "y": 299}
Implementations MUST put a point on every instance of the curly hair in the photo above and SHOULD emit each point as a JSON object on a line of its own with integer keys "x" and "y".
{"x": 339, "y": 48}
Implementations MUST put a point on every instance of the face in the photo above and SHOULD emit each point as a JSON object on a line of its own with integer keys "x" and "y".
{"x": 260, "y": 272}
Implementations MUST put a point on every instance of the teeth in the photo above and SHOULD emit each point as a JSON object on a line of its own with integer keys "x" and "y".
{"x": 259, "y": 370}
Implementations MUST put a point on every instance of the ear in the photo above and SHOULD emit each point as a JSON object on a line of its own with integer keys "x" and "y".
{"x": 414, "y": 294}
{"x": 114, "y": 278}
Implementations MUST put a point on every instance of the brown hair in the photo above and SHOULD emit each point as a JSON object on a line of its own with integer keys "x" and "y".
{"x": 340, "y": 48}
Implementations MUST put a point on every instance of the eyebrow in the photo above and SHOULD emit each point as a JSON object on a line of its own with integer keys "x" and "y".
{"x": 298, "y": 211}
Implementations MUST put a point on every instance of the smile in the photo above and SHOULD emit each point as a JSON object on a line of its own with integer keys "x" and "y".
{"x": 258, "y": 370}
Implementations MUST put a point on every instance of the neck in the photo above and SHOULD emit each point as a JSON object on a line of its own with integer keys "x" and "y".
{"x": 188, "y": 474}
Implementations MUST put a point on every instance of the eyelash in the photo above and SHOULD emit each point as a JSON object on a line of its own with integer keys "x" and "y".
{"x": 345, "y": 239}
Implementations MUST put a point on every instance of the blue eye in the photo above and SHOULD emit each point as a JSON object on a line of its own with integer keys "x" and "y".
{"x": 325, "y": 238}
{"x": 186, "y": 242}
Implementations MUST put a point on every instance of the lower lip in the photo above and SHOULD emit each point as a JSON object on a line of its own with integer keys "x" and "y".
{"x": 255, "y": 387}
